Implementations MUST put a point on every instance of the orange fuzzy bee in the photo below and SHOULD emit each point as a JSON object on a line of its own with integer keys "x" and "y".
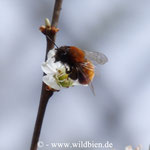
{"x": 78, "y": 60}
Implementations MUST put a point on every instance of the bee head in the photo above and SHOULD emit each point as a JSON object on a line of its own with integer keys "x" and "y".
{"x": 62, "y": 54}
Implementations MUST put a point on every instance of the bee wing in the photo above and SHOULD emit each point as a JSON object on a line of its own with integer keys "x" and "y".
{"x": 97, "y": 57}
{"x": 92, "y": 88}
{"x": 87, "y": 66}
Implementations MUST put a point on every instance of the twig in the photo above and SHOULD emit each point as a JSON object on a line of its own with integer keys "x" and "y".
{"x": 45, "y": 95}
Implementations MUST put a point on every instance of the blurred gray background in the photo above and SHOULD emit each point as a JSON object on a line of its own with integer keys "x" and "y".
{"x": 119, "y": 113}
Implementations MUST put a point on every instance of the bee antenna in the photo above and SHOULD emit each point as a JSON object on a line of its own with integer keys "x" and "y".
{"x": 51, "y": 41}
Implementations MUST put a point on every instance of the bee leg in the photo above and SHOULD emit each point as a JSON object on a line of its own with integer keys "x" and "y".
{"x": 73, "y": 74}
{"x": 82, "y": 77}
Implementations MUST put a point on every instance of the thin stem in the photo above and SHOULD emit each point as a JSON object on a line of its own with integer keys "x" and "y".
{"x": 56, "y": 14}
{"x": 45, "y": 95}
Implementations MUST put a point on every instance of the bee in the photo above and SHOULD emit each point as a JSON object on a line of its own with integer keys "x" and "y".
{"x": 79, "y": 62}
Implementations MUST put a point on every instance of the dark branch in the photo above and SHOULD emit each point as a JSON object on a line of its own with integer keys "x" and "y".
{"x": 45, "y": 95}
{"x": 56, "y": 13}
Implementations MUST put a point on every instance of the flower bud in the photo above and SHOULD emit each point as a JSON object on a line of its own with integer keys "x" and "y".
{"x": 47, "y": 23}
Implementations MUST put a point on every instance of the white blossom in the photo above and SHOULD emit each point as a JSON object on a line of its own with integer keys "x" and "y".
{"x": 56, "y": 76}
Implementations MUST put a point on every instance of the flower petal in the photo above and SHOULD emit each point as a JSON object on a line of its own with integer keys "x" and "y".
{"x": 51, "y": 53}
{"x": 52, "y": 64}
{"x": 50, "y": 81}
{"x": 76, "y": 82}
{"x": 47, "y": 68}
